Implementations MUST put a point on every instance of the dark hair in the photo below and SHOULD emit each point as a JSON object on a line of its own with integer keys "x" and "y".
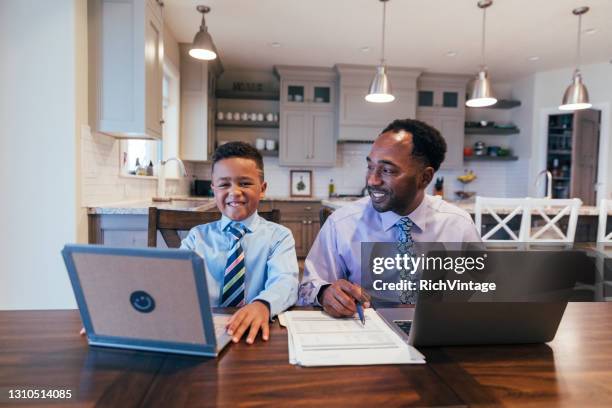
{"x": 238, "y": 149}
{"x": 429, "y": 145}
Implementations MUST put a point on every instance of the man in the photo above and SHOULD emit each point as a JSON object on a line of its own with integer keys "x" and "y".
{"x": 401, "y": 164}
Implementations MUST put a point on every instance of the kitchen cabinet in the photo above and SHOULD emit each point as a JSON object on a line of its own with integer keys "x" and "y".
{"x": 451, "y": 129}
{"x": 307, "y": 116}
{"x": 131, "y": 230}
{"x": 359, "y": 120}
{"x": 198, "y": 106}
{"x": 441, "y": 105}
{"x": 126, "y": 68}
{"x": 302, "y": 218}
{"x": 307, "y": 138}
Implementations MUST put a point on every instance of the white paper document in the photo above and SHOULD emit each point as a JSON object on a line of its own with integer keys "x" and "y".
{"x": 317, "y": 339}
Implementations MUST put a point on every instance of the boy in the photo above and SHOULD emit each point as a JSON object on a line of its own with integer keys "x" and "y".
{"x": 250, "y": 262}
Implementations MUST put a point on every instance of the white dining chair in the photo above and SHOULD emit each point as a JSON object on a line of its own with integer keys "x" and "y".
{"x": 551, "y": 232}
{"x": 604, "y": 248}
{"x": 605, "y": 207}
{"x": 498, "y": 207}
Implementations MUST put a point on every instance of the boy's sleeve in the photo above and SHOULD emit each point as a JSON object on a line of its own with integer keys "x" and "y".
{"x": 323, "y": 265}
{"x": 280, "y": 290}
{"x": 189, "y": 241}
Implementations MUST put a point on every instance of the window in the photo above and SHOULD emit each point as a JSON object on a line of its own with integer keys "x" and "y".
{"x": 142, "y": 152}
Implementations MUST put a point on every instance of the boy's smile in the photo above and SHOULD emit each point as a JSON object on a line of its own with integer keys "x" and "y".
{"x": 238, "y": 187}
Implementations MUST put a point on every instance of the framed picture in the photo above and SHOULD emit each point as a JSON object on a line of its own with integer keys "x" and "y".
{"x": 301, "y": 183}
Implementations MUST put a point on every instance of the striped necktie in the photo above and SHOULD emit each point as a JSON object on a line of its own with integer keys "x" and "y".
{"x": 405, "y": 246}
{"x": 233, "y": 278}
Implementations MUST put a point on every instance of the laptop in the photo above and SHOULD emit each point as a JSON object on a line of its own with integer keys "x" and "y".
{"x": 533, "y": 291}
{"x": 145, "y": 299}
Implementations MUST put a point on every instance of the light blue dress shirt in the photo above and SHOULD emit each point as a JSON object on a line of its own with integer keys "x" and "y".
{"x": 336, "y": 252}
{"x": 270, "y": 260}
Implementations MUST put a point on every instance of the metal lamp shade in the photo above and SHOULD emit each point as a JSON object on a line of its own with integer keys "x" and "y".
{"x": 576, "y": 95}
{"x": 480, "y": 92}
{"x": 380, "y": 88}
{"x": 203, "y": 47}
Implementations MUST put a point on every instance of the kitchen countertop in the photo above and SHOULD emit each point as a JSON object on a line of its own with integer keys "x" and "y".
{"x": 185, "y": 203}
{"x": 587, "y": 210}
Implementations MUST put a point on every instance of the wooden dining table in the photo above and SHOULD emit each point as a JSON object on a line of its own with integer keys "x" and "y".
{"x": 41, "y": 350}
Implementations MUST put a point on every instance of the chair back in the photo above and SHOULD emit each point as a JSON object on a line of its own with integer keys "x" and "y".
{"x": 509, "y": 209}
{"x": 324, "y": 213}
{"x": 170, "y": 222}
{"x": 551, "y": 231}
{"x": 605, "y": 207}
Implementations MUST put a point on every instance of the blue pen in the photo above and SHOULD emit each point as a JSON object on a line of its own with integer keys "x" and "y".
{"x": 360, "y": 313}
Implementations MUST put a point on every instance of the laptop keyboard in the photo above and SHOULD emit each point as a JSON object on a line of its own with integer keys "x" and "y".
{"x": 404, "y": 325}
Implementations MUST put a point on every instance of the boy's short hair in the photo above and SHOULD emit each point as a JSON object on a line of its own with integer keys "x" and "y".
{"x": 238, "y": 149}
{"x": 429, "y": 145}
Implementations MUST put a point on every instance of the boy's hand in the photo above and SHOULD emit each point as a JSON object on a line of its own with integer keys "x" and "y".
{"x": 255, "y": 315}
{"x": 338, "y": 299}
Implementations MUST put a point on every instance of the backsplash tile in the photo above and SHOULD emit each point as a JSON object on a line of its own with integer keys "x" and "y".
{"x": 102, "y": 182}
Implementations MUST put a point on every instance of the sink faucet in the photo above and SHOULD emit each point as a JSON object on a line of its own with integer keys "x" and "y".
{"x": 161, "y": 177}
{"x": 548, "y": 182}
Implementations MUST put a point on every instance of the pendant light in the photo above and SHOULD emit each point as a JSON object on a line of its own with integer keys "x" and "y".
{"x": 380, "y": 88}
{"x": 480, "y": 92}
{"x": 576, "y": 95}
{"x": 203, "y": 47}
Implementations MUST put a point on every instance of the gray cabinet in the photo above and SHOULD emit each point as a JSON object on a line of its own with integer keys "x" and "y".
{"x": 126, "y": 68}
{"x": 441, "y": 104}
{"x": 307, "y": 116}
{"x": 197, "y": 106}
{"x": 359, "y": 120}
{"x": 307, "y": 138}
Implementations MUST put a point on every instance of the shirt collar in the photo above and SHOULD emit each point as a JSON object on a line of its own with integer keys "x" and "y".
{"x": 418, "y": 216}
{"x": 250, "y": 222}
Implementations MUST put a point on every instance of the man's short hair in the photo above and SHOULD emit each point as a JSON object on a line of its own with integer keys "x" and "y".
{"x": 238, "y": 149}
{"x": 429, "y": 145}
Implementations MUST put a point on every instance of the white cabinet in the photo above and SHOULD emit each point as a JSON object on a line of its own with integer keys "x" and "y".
{"x": 126, "y": 68}
{"x": 307, "y": 116}
{"x": 451, "y": 129}
{"x": 197, "y": 106}
{"x": 359, "y": 120}
{"x": 441, "y": 104}
{"x": 307, "y": 138}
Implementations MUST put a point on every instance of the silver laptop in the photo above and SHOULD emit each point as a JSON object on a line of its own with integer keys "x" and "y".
{"x": 527, "y": 308}
{"x": 145, "y": 298}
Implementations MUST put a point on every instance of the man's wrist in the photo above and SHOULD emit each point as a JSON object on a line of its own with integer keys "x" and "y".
{"x": 322, "y": 290}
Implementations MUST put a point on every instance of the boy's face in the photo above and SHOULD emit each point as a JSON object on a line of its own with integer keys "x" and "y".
{"x": 237, "y": 185}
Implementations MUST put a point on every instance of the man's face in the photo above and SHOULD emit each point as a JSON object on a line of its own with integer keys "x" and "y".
{"x": 395, "y": 179}
{"x": 238, "y": 187}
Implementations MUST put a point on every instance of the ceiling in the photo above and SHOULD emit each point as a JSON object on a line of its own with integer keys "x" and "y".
{"x": 419, "y": 33}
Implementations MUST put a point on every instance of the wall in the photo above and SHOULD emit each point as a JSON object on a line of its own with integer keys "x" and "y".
{"x": 548, "y": 92}
{"x": 37, "y": 151}
{"x": 348, "y": 174}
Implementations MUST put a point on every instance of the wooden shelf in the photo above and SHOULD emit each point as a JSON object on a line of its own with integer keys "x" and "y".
{"x": 490, "y": 158}
{"x": 262, "y": 96}
{"x": 559, "y": 152}
{"x": 246, "y": 124}
{"x": 490, "y": 130}
{"x": 502, "y": 104}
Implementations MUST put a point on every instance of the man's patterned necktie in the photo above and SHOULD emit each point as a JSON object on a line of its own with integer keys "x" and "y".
{"x": 233, "y": 280}
{"x": 405, "y": 246}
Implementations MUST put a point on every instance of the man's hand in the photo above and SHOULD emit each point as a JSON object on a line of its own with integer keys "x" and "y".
{"x": 255, "y": 315}
{"x": 339, "y": 298}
